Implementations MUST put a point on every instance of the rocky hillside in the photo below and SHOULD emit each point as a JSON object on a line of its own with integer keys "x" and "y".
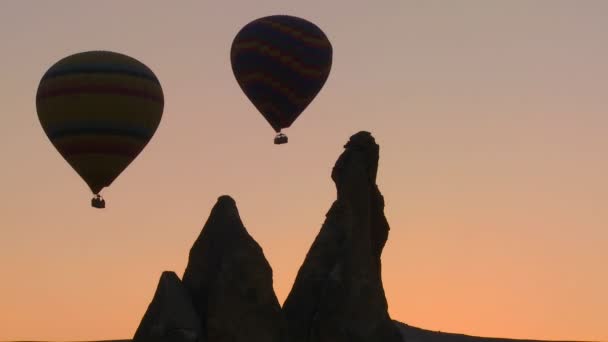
{"x": 413, "y": 334}
{"x": 226, "y": 292}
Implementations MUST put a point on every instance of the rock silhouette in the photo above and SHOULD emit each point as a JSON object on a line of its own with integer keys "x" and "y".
{"x": 230, "y": 281}
{"x": 337, "y": 296}
{"x": 338, "y": 293}
{"x": 226, "y": 294}
{"x": 170, "y": 315}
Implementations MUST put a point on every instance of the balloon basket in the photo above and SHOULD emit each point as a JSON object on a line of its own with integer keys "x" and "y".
{"x": 280, "y": 139}
{"x": 98, "y": 202}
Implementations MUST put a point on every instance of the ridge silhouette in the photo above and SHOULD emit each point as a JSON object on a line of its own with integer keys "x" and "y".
{"x": 226, "y": 292}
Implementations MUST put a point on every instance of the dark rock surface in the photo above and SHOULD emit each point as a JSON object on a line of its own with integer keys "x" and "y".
{"x": 170, "y": 315}
{"x": 338, "y": 293}
{"x": 230, "y": 281}
{"x": 413, "y": 334}
{"x": 227, "y": 296}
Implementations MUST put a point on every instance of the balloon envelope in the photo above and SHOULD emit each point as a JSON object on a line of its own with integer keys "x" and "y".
{"x": 99, "y": 109}
{"x": 281, "y": 63}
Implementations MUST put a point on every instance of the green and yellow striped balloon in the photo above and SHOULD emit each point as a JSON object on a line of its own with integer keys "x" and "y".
{"x": 99, "y": 109}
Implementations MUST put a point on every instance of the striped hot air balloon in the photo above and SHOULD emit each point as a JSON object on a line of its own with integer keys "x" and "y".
{"x": 281, "y": 63}
{"x": 99, "y": 109}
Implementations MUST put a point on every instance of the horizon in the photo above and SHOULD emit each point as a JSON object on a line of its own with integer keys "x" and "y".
{"x": 491, "y": 121}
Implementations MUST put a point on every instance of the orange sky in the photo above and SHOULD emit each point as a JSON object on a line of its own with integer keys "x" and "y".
{"x": 491, "y": 118}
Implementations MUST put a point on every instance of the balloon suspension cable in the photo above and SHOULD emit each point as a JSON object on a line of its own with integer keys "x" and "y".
{"x": 98, "y": 202}
{"x": 280, "y": 138}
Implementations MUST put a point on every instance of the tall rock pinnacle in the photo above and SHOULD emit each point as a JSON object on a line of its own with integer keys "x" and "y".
{"x": 230, "y": 281}
{"x": 338, "y": 294}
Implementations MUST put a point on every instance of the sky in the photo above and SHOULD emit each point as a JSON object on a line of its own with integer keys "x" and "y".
{"x": 491, "y": 118}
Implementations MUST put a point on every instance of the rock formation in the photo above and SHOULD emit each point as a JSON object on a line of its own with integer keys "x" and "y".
{"x": 170, "y": 315}
{"x": 230, "y": 281}
{"x": 338, "y": 294}
{"x": 226, "y": 293}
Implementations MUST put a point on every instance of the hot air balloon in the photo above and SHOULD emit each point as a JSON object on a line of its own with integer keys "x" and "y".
{"x": 99, "y": 109}
{"x": 281, "y": 63}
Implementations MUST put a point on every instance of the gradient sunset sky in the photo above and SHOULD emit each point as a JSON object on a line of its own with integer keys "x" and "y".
{"x": 491, "y": 118}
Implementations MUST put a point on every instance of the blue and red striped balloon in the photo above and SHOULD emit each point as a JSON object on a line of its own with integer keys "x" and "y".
{"x": 281, "y": 63}
{"x": 99, "y": 109}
